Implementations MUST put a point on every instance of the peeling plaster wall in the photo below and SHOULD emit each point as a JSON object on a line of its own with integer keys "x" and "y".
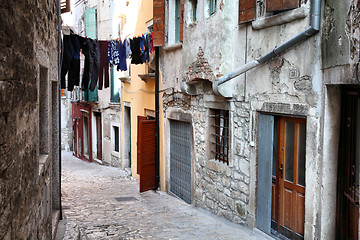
{"x": 340, "y": 37}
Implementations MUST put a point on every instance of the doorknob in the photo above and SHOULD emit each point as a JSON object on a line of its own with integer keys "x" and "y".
{"x": 281, "y": 170}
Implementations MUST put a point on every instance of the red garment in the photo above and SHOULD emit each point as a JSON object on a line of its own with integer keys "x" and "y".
{"x": 152, "y": 49}
{"x": 104, "y": 65}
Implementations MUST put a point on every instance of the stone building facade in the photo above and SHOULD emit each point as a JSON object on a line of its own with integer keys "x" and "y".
{"x": 296, "y": 93}
{"x": 29, "y": 120}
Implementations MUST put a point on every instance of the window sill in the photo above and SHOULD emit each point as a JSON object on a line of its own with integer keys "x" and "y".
{"x": 281, "y": 18}
{"x": 43, "y": 163}
{"x": 115, "y": 105}
{"x": 115, "y": 154}
{"x": 173, "y": 47}
{"x": 145, "y": 77}
{"x": 125, "y": 79}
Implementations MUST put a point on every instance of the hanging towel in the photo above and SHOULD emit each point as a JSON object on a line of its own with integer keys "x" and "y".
{"x": 113, "y": 53}
{"x": 135, "y": 51}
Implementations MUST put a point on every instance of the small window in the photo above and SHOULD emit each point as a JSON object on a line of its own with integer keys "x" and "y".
{"x": 219, "y": 139}
{"x": 116, "y": 138}
{"x": 212, "y": 7}
{"x": 114, "y": 87}
{"x": 43, "y": 99}
{"x": 194, "y": 9}
{"x": 177, "y": 20}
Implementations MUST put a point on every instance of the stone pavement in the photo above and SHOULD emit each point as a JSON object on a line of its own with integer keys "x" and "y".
{"x": 101, "y": 202}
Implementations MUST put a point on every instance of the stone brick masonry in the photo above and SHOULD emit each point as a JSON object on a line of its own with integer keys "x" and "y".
{"x": 28, "y": 43}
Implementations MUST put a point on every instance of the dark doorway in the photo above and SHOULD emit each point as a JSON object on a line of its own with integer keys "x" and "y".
{"x": 347, "y": 205}
{"x": 98, "y": 136}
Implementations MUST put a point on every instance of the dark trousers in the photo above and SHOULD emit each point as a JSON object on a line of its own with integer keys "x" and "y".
{"x": 70, "y": 61}
{"x": 104, "y": 65}
{"x": 90, "y": 49}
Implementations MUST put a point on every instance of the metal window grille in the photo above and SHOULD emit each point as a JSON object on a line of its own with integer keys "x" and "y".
{"x": 220, "y": 135}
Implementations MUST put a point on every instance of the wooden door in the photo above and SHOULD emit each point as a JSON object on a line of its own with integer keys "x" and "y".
{"x": 347, "y": 205}
{"x": 288, "y": 191}
{"x": 146, "y": 153}
{"x": 98, "y": 136}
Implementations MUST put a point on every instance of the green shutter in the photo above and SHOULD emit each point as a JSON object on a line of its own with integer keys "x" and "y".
{"x": 212, "y": 7}
{"x": 177, "y": 20}
{"x": 194, "y": 9}
{"x": 90, "y": 32}
{"x": 114, "y": 87}
{"x": 90, "y": 23}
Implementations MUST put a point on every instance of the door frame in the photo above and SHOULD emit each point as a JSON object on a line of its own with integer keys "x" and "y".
{"x": 268, "y": 150}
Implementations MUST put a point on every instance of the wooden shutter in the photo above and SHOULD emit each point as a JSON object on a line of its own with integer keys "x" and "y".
{"x": 90, "y": 32}
{"x": 264, "y": 172}
{"x": 65, "y": 6}
{"x": 181, "y": 19}
{"x": 139, "y": 132}
{"x": 146, "y": 153}
{"x": 280, "y": 5}
{"x": 246, "y": 10}
{"x": 158, "y": 22}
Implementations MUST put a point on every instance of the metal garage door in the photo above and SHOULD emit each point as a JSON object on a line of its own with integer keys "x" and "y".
{"x": 180, "y": 160}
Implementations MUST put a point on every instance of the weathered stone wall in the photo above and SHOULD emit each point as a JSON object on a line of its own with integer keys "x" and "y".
{"x": 289, "y": 85}
{"x": 28, "y": 51}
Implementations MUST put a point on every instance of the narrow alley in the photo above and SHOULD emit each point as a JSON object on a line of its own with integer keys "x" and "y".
{"x": 102, "y": 202}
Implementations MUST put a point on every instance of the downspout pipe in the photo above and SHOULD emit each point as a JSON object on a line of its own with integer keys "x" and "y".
{"x": 302, "y": 36}
{"x": 59, "y": 99}
{"x": 157, "y": 120}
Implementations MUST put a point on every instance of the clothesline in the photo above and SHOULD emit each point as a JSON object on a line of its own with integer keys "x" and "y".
{"x": 99, "y": 55}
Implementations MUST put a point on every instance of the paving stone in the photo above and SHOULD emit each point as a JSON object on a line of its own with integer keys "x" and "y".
{"x": 89, "y": 192}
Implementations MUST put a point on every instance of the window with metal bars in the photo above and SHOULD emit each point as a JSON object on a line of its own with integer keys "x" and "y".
{"x": 219, "y": 139}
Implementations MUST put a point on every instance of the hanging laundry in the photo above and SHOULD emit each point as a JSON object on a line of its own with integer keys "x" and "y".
{"x": 127, "y": 46}
{"x": 135, "y": 51}
{"x": 122, "y": 56}
{"x": 152, "y": 43}
{"x": 113, "y": 53}
{"x": 146, "y": 54}
{"x": 71, "y": 61}
{"x": 90, "y": 49}
{"x": 104, "y": 65}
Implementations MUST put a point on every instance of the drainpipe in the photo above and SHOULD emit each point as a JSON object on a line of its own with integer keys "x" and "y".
{"x": 304, "y": 35}
{"x": 157, "y": 129}
{"x": 59, "y": 86}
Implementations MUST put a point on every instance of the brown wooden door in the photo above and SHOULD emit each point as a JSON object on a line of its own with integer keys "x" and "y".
{"x": 347, "y": 210}
{"x": 288, "y": 193}
{"x": 98, "y": 136}
{"x": 146, "y": 153}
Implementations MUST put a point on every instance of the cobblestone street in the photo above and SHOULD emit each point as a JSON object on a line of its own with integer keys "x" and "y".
{"x": 101, "y": 202}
